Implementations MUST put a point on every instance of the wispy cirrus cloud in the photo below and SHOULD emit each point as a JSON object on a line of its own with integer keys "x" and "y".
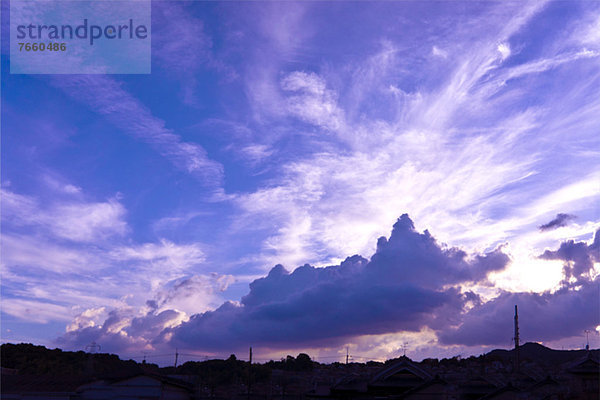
{"x": 78, "y": 258}
{"x": 182, "y": 48}
{"x": 311, "y": 101}
{"x": 435, "y": 142}
{"x": 72, "y": 220}
{"x": 107, "y": 97}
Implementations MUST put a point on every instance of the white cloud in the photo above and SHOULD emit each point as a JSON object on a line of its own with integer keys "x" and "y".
{"x": 311, "y": 101}
{"x": 134, "y": 328}
{"x": 162, "y": 259}
{"x": 87, "y": 222}
{"x": 257, "y": 152}
{"x": 504, "y": 49}
{"x": 73, "y": 220}
{"x": 88, "y": 318}
{"x": 440, "y": 158}
{"x": 24, "y": 251}
{"x": 107, "y": 97}
{"x": 72, "y": 251}
{"x": 436, "y": 51}
{"x": 35, "y": 311}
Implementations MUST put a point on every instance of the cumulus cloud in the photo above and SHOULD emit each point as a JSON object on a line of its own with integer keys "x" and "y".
{"x": 542, "y": 316}
{"x": 558, "y": 222}
{"x": 193, "y": 294}
{"x": 123, "y": 330}
{"x": 407, "y": 285}
{"x": 578, "y": 259}
{"x": 127, "y": 328}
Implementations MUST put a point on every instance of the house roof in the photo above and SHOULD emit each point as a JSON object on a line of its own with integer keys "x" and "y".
{"x": 548, "y": 381}
{"x": 508, "y": 388}
{"x": 68, "y": 384}
{"x": 353, "y": 383}
{"x": 435, "y": 381}
{"x": 41, "y": 383}
{"x": 403, "y": 365}
{"x": 585, "y": 365}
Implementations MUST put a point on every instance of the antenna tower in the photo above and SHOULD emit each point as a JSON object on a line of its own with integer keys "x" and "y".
{"x": 587, "y": 339}
{"x": 92, "y": 348}
{"x": 516, "y": 338}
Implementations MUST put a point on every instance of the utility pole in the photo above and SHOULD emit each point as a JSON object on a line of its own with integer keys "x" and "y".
{"x": 176, "y": 357}
{"x": 404, "y": 347}
{"x": 249, "y": 372}
{"x": 346, "y": 355}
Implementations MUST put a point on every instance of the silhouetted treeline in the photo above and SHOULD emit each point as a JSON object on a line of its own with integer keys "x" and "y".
{"x": 38, "y": 360}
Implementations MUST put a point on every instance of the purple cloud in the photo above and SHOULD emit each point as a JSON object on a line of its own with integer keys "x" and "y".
{"x": 578, "y": 257}
{"x": 560, "y": 221}
{"x": 128, "y": 328}
{"x": 546, "y": 316}
{"x": 403, "y": 288}
{"x": 137, "y": 336}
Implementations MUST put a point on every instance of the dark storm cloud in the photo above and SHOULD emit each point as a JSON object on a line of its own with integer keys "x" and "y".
{"x": 546, "y": 316}
{"x": 403, "y": 287}
{"x": 559, "y": 221}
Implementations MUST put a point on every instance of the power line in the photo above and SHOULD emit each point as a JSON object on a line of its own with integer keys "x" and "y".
{"x": 204, "y": 357}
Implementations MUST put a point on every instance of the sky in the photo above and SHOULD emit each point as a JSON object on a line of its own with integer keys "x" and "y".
{"x": 320, "y": 176}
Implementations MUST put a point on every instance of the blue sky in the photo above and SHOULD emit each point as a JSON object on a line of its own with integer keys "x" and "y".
{"x": 137, "y": 209}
